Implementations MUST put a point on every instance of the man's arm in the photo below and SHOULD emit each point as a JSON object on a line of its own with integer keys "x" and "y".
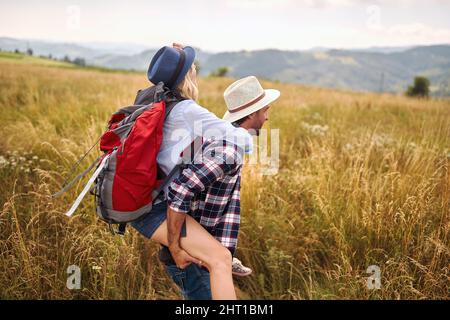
{"x": 175, "y": 222}
{"x": 218, "y": 159}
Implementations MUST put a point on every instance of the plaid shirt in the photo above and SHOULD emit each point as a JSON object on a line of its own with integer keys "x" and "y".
{"x": 208, "y": 189}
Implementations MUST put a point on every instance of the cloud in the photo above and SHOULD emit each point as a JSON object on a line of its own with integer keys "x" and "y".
{"x": 264, "y": 4}
{"x": 327, "y": 3}
{"x": 258, "y": 4}
{"x": 321, "y": 4}
{"x": 419, "y": 30}
{"x": 414, "y": 33}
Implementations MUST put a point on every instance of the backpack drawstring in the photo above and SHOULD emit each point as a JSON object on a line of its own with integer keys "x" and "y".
{"x": 80, "y": 176}
{"x": 87, "y": 186}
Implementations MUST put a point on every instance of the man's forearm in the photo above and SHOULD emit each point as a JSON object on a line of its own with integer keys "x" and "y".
{"x": 175, "y": 222}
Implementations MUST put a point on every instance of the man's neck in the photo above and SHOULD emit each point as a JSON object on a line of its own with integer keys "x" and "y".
{"x": 246, "y": 125}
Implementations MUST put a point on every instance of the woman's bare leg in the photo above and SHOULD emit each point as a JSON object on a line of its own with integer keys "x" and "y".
{"x": 203, "y": 246}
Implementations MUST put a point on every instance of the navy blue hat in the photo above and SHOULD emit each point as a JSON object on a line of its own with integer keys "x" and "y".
{"x": 170, "y": 65}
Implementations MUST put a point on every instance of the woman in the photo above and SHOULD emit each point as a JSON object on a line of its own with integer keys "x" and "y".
{"x": 174, "y": 66}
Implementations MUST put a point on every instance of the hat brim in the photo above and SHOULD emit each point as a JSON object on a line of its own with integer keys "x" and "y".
{"x": 270, "y": 96}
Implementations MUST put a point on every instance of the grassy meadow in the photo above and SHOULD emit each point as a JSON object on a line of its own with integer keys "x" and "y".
{"x": 364, "y": 180}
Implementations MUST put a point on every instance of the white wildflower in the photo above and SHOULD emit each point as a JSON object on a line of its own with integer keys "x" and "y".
{"x": 382, "y": 140}
{"x": 3, "y": 162}
{"x": 35, "y": 158}
{"x": 315, "y": 129}
{"x": 348, "y": 147}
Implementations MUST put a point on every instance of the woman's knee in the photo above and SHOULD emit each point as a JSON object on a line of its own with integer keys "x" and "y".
{"x": 220, "y": 259}
{"x": 205, "y": 247}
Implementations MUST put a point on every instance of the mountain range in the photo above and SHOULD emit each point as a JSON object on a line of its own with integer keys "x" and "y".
{"x": 386, "y": 69}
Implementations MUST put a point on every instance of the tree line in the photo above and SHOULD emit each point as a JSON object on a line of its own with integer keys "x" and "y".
{"x": 77, "y": 60}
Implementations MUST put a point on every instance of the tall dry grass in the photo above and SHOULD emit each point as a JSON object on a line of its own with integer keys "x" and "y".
{"x": 364, "y": 180}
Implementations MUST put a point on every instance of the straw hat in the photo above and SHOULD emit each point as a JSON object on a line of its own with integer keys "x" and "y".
{"x": 246, "y": 96}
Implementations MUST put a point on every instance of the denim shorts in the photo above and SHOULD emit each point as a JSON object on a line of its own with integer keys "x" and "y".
{"x": 151, "y": 221}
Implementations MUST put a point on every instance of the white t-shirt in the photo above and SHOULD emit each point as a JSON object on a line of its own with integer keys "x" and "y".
{"x": 188, "y": 120}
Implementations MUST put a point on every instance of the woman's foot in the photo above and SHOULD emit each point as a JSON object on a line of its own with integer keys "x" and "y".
{"x": 239, "y": 269}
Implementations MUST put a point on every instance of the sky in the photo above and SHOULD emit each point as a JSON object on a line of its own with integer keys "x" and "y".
{"x": 231, "y": 25}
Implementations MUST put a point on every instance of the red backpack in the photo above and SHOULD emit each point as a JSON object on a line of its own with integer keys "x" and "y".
{"x": 127, "y": 178}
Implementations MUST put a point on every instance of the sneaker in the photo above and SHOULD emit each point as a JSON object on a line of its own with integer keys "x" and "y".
{"x": 239, "y": 269}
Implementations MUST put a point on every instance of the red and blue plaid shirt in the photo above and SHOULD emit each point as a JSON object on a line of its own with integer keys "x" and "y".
{"x": 208, "y": 189}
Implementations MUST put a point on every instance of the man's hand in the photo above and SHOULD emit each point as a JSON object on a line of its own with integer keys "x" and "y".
{"x": 175, "y": 222}
{"x": 182, "y": 258}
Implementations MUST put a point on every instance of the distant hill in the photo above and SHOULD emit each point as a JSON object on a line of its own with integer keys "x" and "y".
{"x": 56, "y": 49}
{"x": 387, "y": 69}
{"x": 88, "y": 50}
{"x": 133, "y": 62}
{"x": 347, "y": 69}
{"x": 138, "y": 61}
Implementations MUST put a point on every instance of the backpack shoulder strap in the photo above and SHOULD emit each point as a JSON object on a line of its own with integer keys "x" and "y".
{"x": 172, "y": 98}
{"x": 169, "y": 107}
{"x": 189, "y": 154}
{"x": 157, "y": 93}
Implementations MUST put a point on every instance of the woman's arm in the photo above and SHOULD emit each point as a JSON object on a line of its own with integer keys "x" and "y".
{"x": 205, "y": 123}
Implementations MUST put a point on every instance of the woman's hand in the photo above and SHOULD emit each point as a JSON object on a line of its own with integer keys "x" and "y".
{"x": 177, "y": 45}
{"x": 182, "y": 258}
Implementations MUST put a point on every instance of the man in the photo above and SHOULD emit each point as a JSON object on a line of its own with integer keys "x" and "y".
{"x": 212, "y": 196}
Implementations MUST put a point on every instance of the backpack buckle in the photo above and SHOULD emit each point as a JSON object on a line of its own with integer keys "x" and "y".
{"x": 120, "y": 229}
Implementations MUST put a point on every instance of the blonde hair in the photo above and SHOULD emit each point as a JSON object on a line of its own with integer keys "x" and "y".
{"x": 188, "y": 88}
